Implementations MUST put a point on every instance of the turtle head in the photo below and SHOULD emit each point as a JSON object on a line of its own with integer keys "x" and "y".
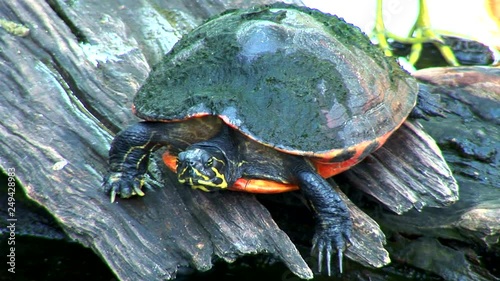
{"x": 203, "y": 168}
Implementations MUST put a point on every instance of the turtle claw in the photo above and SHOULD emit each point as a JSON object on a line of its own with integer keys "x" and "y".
{"x": 340, "y": 253}
{"x": 324, "y": 252}
{"x": 124, "y": 185}
{"x": 138, "y": 191}
{"x": 324, "y": 242}
{"x": 325, "y": 257}
{"x": 113, "y": 195}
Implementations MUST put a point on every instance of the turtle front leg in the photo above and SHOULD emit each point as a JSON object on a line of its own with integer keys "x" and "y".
{"x": 333, "y": 223}
{"x": 129, "y": 158}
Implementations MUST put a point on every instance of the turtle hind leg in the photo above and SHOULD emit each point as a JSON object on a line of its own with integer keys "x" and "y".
{"x": 333, "y": 223}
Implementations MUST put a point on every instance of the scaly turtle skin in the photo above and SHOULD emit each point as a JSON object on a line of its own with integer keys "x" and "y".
{"x": 268, "y": 99}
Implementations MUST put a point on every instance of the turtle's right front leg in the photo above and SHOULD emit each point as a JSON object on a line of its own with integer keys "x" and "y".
{"x": 129, "y": 157}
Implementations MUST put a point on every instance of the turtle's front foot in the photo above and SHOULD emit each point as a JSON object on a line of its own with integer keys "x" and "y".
{"x": 331, "y": 236}
{"x": 123, "y": 184}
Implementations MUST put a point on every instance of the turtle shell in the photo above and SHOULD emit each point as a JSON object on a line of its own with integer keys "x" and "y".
{"x": 291, "y": 78}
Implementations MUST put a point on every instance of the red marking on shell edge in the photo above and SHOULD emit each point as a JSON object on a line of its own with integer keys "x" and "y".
{"x": 227, "y": 120}
{"x": 196, "y": 115}
{"x": 328, "y": 169}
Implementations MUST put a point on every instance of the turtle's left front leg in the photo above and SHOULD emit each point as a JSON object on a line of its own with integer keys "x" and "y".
{"x": 333, "y": 223}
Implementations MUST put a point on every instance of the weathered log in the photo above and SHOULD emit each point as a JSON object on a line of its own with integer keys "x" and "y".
{"x": 466, "y": 235}
{"x": 416, "y": 176}
{"x": 69, "y": 83}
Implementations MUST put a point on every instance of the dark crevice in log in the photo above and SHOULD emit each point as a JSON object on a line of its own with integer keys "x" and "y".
{"x": 79, "y": 98}
{"x": 59, "y": 11}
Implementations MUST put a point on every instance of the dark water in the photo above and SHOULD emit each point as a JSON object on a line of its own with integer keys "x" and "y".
{"x": 47, "y": 259}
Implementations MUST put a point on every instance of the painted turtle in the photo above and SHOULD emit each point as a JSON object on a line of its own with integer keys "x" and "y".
{"x": 268, "y": 99}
